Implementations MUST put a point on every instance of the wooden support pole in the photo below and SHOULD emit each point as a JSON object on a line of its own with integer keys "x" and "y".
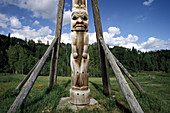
{"x": 55, "y": 53}
{"x": 51, "y": 75}
{"x": 26, "y": 78}
{"x": 29, "y": 84}
{"x": 104, "y": 67}
{"x": 129, "y": 76}
{"x": 127, "y": 92}
{"x": 103, "y": 60}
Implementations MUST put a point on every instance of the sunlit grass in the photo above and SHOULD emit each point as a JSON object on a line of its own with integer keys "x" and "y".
{"x": 41, "y": 99}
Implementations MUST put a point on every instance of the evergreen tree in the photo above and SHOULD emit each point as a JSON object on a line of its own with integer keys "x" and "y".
{"x": 19, "y": 56}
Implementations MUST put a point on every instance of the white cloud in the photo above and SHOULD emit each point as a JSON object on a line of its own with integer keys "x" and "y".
{"x": 65, "y": 38}
{"x": 2, "y": 24}
{"x": 114, "y": 30}
{"x": 36, "y": 22}
{"x": 46, "y": 9}
{"x": 42, "y": 34}
{"x": 15, "y": 22}
{"x": 41, "y": 8}
{"x": 154, "y": 44}
{"x": 110, "y": 38}
{"x": 3, "y": 17}
{"x": 148, "y": 3}
{"x": 130, "y": 41}
{"x": 3, "y": 20}
{"x": 67, "y": 17}
{"x": 45, "y": 31}
{"x": 132, "y": 38}
{"x": 25, "y": 32}
{"x": 44, "y": 40}
{"x": 92, "y": 38}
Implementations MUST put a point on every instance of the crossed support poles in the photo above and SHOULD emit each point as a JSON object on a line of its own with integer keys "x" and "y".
{"x": 104, "y": 53}
{"x": 32, "y": 76}
{"x": 127, "y": 92}
{"x": 55, "y": 53}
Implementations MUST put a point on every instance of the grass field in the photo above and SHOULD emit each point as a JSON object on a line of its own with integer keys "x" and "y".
{"x": 41, "y": 100}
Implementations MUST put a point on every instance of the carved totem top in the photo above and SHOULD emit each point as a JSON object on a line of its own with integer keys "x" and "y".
{"x": 79, "y": 17}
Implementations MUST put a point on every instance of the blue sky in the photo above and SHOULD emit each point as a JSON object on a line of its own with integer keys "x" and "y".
{"x": 143, "y": 24}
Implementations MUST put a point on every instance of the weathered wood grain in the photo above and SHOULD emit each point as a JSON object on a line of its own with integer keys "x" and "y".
{"x": 29, "y": 84}
{"x": 127, "y": 92}
{"x": 104, "y": 70}
{"x": 103, "y": 60}
{"x": 55, "y": 53}
{"x": 129, "y": 76}
{"x": 26, "y": 78}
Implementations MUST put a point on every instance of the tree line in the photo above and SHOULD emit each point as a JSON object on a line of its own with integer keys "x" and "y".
{"x": 19, "y": 56}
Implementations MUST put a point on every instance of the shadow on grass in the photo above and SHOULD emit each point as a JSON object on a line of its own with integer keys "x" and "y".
{"x": 39, "y": 98}
{"x": 97, "y": 86}
{"x": 109, "y": 105}
{"x": 67, "y": 83}
{"x": 122, "y": 107}
{"x": 48, "y": 99}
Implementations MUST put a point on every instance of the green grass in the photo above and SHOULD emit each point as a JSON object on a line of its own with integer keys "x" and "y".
{"x": 155, "y": 100}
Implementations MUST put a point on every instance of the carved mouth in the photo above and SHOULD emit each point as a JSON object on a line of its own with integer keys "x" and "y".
{"x": 80, "y": 25}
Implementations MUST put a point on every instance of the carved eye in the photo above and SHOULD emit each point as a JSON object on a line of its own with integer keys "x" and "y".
{"x": 85, "y": 17}
{"x": 74, "y": 17}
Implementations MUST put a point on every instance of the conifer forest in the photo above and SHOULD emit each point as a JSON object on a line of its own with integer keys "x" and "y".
{"x": 19, "y": 56}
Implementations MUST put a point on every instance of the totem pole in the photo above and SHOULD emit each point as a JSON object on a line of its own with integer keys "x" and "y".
{"x": 79, "y": 91}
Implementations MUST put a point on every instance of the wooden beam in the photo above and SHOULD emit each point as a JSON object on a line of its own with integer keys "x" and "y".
{"x": 129, "y": 76}
{"x": 104, "y": 68}
{"x": 55, "y": 53}
{"x": 29, "y": 84}
{"x": 127, "y": 92}
{"x": 26, "y": 78}
{"x": 51, "y": 75}
{"x": 103, "y": 60}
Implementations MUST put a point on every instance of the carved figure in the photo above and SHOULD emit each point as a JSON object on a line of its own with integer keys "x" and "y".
{"x": 79, "y": 91}
{"x": 79, "y": 60}
{"x": 79, "y": 4}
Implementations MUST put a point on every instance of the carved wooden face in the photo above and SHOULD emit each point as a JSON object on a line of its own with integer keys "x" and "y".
{"x": 79, "y": 20}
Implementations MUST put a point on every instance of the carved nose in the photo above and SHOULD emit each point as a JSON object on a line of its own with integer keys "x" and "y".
{"x": 79, "y": 20}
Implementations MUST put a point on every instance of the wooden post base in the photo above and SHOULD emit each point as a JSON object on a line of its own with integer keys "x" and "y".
{"x": 79, "y": 97}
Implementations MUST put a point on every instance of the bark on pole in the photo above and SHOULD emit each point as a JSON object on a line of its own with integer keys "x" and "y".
{"x": 29, "y": 84}
{"x": 129, "y": 76}
{"x": 55, "y": 53}
{"x": 127, "y": 92}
